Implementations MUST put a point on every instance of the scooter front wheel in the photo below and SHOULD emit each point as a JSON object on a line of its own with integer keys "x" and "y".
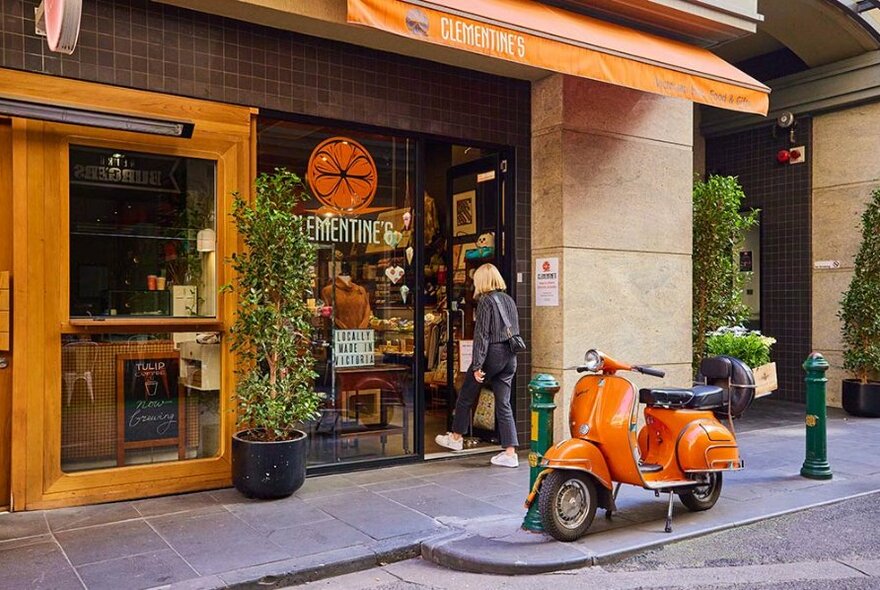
{"x": 704, "y": 496}
{"x": 567, "y": 502}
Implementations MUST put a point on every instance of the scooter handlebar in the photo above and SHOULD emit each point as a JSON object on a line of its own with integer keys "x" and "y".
{"x": 651, "y": 371}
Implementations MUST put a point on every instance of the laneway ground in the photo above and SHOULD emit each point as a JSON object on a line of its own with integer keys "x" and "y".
{"x": 343, "y": 523}
{"x": 834, "y": 547}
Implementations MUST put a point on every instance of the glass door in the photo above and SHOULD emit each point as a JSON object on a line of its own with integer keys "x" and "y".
{"x": 470, "y": 234}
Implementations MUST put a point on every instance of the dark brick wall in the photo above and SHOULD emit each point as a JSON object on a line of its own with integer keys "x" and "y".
{"x": 141, "y": 44}
{"x": 782, "y": 193}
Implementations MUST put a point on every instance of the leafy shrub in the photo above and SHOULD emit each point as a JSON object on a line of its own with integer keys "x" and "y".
{"x": 751, "y": 347}
{"x": 719, "y": 229}
{"x": 860, "y": 307}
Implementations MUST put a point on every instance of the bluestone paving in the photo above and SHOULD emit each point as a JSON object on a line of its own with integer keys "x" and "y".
{"x": 283, "y": 514}
{"x": 172, "y": 504}
{"x": 341, "y": 523}
{"x": 437, "y": 501}
{"x": 137, "y": 572}
{"x": 36, "y": 566}
{"x": 84, "y": 516}
{"x": 109, "y": 541}
{"x": 373, "y": 514}
{"x": 216, "y": 542}
{"x": 23, "y": 524}
{"x": 329, "y": 536}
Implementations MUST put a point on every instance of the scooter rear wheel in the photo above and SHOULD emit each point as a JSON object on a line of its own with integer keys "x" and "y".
{"x": 567, "y": 502}
{"x": 703, "y": 497}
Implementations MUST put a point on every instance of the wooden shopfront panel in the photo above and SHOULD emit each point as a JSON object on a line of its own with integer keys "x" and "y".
{"x": 43, "y": 298}
{"x": 5, "y": 305}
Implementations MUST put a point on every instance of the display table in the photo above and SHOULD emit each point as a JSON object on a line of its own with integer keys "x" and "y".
{"x": 365, "y": 396}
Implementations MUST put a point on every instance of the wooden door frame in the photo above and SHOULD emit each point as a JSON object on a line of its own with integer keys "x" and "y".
{"x": 41, "y": 290}
{"x": 5, "y": 265}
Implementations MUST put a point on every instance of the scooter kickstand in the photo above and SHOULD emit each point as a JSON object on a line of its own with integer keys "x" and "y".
{"x": 612, "y": 507}
{"x": 668, "y": 528}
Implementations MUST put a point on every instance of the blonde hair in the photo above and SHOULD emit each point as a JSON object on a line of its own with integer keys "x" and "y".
{"x": 488, "y": 279}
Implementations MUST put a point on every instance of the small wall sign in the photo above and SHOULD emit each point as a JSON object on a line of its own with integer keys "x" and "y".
{"x": 547, "y": 282}
{"x": 826, "y": 264}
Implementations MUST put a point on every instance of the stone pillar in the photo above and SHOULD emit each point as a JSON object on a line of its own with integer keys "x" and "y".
{"x": 612, "y": 172}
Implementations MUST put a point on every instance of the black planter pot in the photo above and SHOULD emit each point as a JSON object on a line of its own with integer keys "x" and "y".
{"x": 861, "y": 399}
{"x": 268, "y": 470}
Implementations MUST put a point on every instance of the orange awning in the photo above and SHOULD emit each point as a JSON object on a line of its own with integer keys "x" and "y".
{"x": 550, "y": 38}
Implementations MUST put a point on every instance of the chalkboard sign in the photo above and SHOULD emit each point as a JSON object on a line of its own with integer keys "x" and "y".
{"x": 150, "y": 404}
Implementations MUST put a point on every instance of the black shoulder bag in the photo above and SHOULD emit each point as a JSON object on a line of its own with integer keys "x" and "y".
{"x": 514, "y": 341}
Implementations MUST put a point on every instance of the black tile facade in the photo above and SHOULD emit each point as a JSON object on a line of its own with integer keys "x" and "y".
{"x": 145, "y": 45}
{"x": 783, "y": 194}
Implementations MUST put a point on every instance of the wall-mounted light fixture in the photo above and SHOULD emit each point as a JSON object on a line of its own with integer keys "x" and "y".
{"x": 71, "y": 116}
{"x": 206, "y": 240}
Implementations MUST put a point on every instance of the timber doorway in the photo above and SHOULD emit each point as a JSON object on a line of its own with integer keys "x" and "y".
{"x": 5, "y": 316}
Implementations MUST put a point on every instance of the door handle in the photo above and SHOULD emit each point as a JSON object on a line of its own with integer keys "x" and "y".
{"x": 4, "y": 362}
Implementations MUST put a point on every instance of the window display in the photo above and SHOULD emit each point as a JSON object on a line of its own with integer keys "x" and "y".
{"x": 360, "y": 216}
{"x": 139, "y": 398}
{"x": 142, "y": 234}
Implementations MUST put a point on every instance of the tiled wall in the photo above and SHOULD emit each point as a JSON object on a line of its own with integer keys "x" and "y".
{"x": 783, "y": 194}
{"x": 141, "y": 44}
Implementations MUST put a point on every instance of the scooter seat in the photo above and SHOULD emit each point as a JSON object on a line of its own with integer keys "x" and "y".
{"x": 701, "y": 397}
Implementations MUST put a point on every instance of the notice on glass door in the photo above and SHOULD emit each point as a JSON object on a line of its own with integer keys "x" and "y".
{"x": 465, "y": 355}
{"x": 547, "y": 282}
{"x": 354, "y": 348}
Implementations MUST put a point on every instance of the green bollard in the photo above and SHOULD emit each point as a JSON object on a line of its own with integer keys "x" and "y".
{"x": 816, "y": 464}
{"x": 543, "y": 388}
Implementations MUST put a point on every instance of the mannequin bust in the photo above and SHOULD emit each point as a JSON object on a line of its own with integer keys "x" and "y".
{"x": 351, "y": 302}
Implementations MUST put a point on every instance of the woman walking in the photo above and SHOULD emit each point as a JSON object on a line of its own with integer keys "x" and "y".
{"x": 494, "y": 364}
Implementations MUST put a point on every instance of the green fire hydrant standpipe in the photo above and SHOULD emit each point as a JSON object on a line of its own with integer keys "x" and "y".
{"x": 816, "y": 464}
{"x": 543, "y": 389}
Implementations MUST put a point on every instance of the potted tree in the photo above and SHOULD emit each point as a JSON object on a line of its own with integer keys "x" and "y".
{"x": 271, "y": 338}
{"x": 860, "y": 314}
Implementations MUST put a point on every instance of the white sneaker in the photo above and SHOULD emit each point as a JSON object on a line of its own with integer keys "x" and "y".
{"x": 446, "y": 440}
{"x": 502, "y": 459}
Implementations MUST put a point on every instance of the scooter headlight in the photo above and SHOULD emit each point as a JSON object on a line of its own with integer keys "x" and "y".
{"x": 593, "y": 360}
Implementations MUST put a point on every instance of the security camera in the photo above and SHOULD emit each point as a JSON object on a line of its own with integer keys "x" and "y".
{"x": 785, "y": 120}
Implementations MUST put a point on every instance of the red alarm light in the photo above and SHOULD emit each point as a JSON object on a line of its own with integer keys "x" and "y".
{"x": 783, "y": 156}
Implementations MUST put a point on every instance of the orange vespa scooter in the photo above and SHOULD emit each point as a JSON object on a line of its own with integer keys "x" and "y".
{"x": 682, "y": 449}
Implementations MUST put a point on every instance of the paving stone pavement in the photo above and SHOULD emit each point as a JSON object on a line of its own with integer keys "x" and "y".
{"x": 342, "y": 523}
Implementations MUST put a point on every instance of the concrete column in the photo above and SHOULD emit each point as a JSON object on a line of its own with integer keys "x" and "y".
{"x": 611, "y": 198}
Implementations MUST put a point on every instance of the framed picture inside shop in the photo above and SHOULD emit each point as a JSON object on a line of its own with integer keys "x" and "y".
{"x": 464, "y": 213}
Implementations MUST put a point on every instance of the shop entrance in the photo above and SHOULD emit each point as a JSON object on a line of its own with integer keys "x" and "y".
{"x": 464, "y": 229}
{"x": 5, "y": 317}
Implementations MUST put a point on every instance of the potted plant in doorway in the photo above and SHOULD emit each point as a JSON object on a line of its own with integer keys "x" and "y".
{"x": 752, "y": 348}
{"x": 860, "y": 314}
{"x": 271, "y": 338}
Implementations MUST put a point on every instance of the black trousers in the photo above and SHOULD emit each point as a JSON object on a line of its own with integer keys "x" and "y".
{"x": 500, "y": 367}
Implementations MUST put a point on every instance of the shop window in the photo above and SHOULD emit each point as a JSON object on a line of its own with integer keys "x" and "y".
{"x": 360, "y": 215}
{"x": 130, "y": 399}
{"x": 142, "y": 234}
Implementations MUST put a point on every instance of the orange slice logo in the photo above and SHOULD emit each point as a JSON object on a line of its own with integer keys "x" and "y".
{"x": 342, "y": 175}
